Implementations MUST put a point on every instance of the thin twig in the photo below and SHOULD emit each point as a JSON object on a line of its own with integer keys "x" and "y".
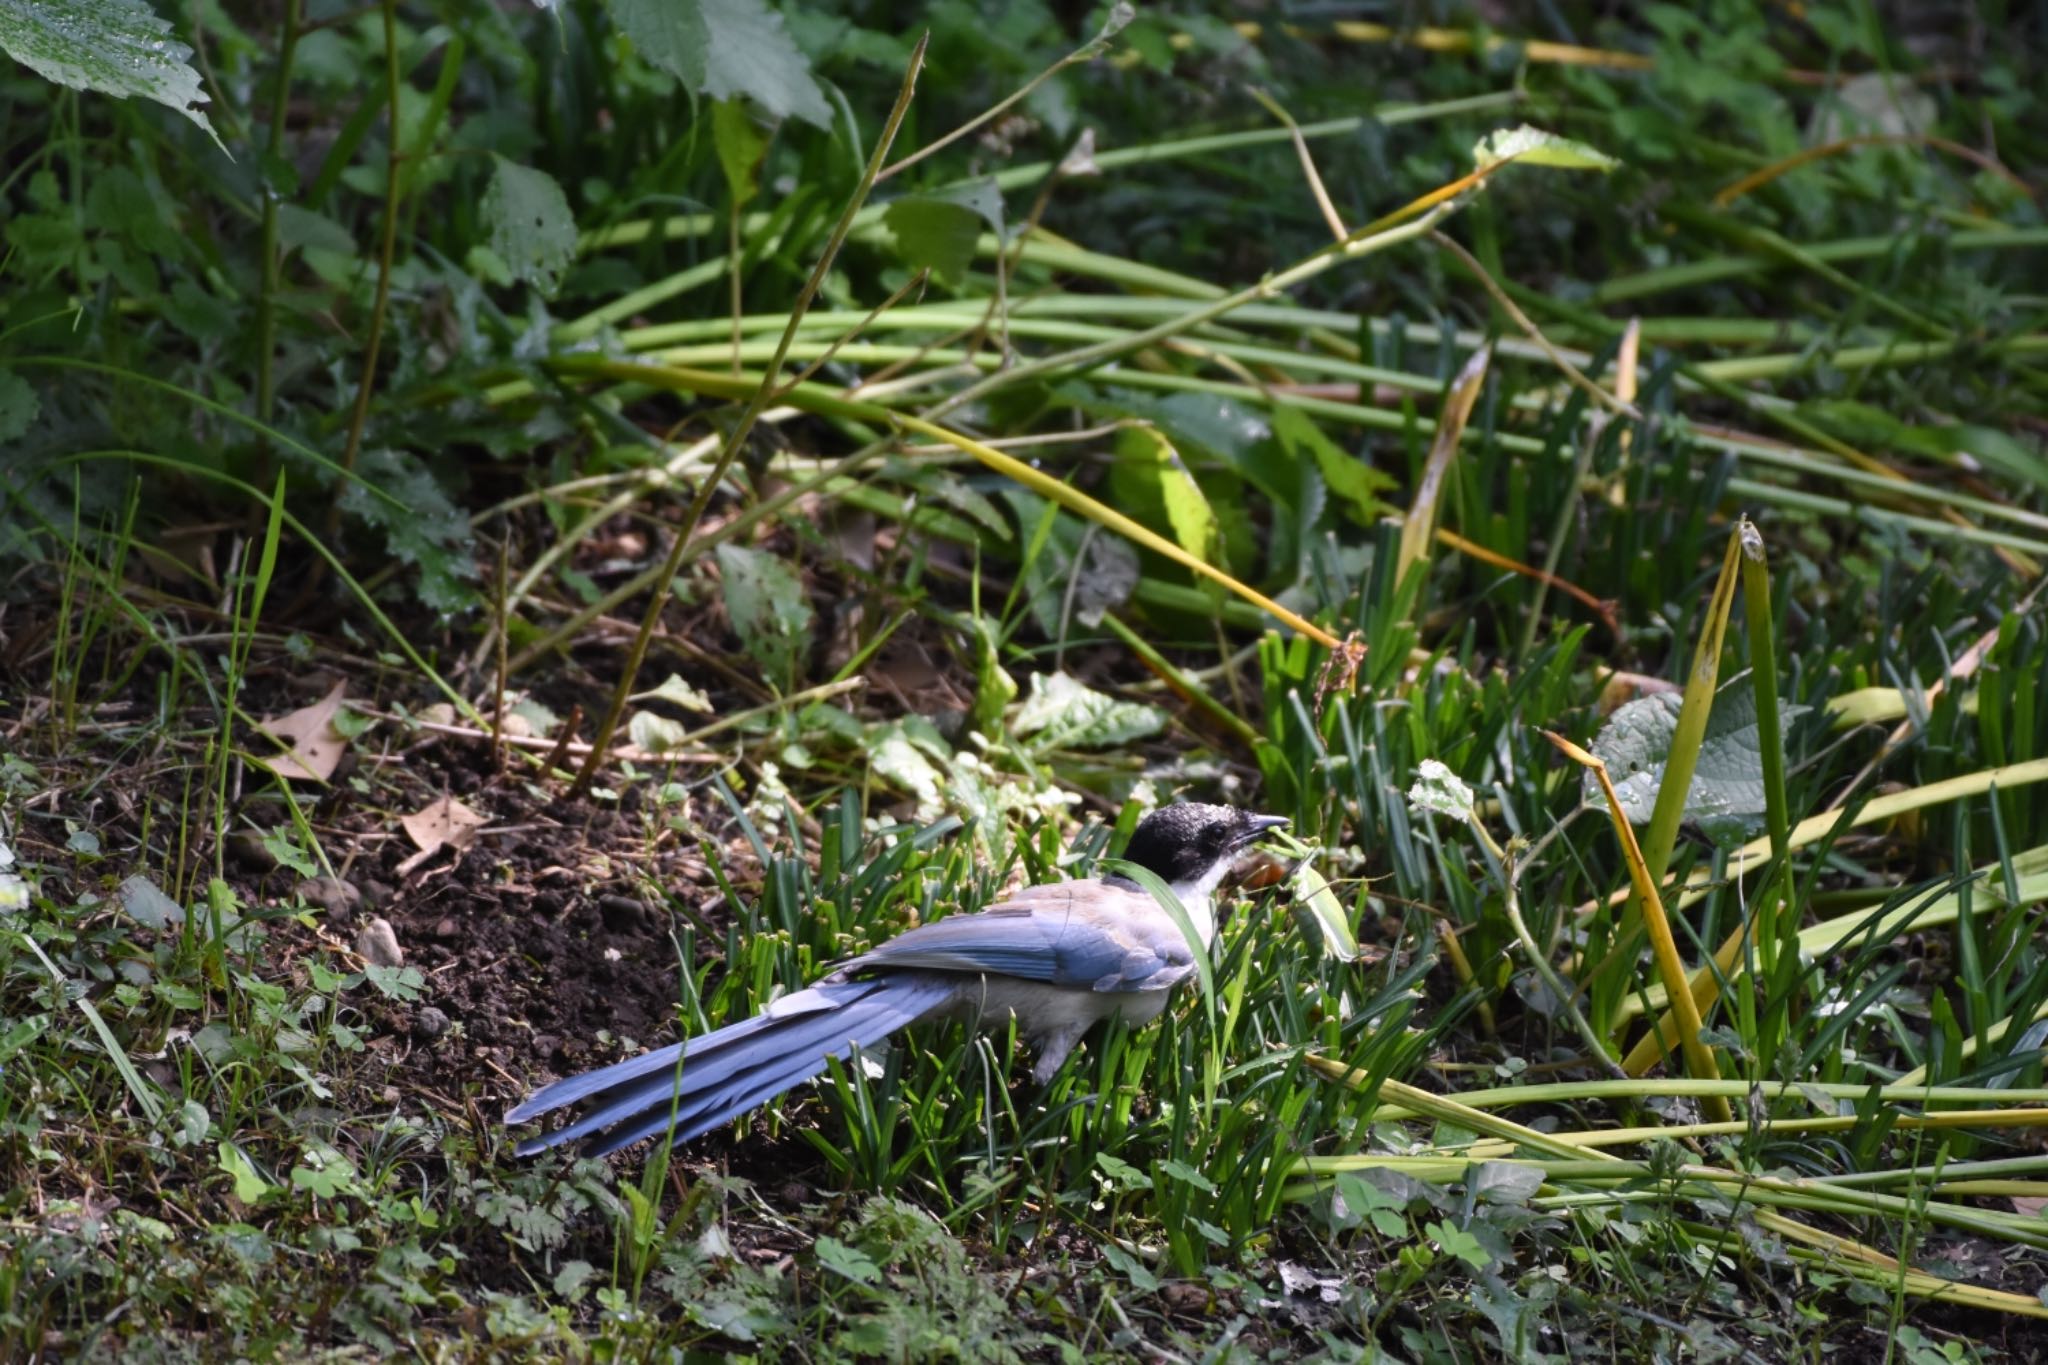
{"x": 1534, "y": 333}
{"x": 745, "y": 426}
{"x": 386, "y": 249}
{"x": 1338, "y": 231}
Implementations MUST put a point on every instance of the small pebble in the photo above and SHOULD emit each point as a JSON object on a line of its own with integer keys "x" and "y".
{"x": 429, "y": 1024}
{"x": 445, "y": 928}
{"x": 245, "y": 846}
{"x": 622, "y": 914}
{"x": 378, "y": 944}
{"x": 337, "y": 897}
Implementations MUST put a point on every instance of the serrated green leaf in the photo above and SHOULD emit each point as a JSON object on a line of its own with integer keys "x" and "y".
{"x": 1727, "y": 783}
{"x": 852, "y": 1262}
{"x": 1062, "y": 713}
{"x": 116, "y": 47}
{"x": 420, "y": 525}
{"x": 571, "y": 1278}
{"x": 724, "y": 49}
{"x": 1534, "y": 147}
{"x": 532, "y": 230}
{"x": 769, "y": 610}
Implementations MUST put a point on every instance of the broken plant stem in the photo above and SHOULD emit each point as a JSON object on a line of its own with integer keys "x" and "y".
{"x": 756, "y": 405}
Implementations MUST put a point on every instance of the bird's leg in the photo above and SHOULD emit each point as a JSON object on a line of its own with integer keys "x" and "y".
{"x": 1053, "y": 1049}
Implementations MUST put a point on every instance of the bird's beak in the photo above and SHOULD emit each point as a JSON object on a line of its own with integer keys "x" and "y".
{"x": 1256, "y": 825}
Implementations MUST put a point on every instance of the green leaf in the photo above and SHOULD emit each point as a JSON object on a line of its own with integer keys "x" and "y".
{"x": 851, "y": 1262}
{"x": 769, "y": 611}
{"x": 677, "y": 692}
{"x": 1534, "y": 147}
{"x": 141, "y": 899}
{"x": 120, "y": 203}
{"x": 655, "y": 733}
{"x": 532, "y": 230}
{"x": 1069, "y": 574}
{"x": 250, "y": 1187}
{"x": 1062, "y": 713}
{"x": 1187, "y": 511}
{"x": 1319, "y": 905}
{"x": 1121, "y": 1173}
{"x": 117, "y": 47}
{"x": 994, "y": 688}
{"x": 193, "y": 1124}
{"x": 1363, "y": 1199}
{"x": 897, "y": 759}
{"x": 325, "y": 1172}
{"x": 1188, "y": 1175}
{"x": 571, "y": 1278}
{"x": 283, "y": 845}
{"x": 396, "y": 983}
{"x": 1459, "y": 1243}
{"x": 724, "y": 49}
{"x": 1504, "y": 1182}
{"x": 1354, "y": 481}
{"x": 302, "y": 228}
{"x": 938, "y": 231}
{"x": 1438, "y": 789}
{"x": 934, "y": 235}
{"x": 1131, "y": 1268}
{"x": 18, "y": 406}
{"x": 1727, "y": 783}
{"x": 741, "y": 143}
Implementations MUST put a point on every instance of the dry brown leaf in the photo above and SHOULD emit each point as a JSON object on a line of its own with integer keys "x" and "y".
{"x": 445, "y": 823}
{"x": 314, "y": 747}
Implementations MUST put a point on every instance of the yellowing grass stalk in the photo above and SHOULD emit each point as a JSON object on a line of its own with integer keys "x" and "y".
{"x": 1595, "y": 1173}
{"x": 1699, "y": 1058}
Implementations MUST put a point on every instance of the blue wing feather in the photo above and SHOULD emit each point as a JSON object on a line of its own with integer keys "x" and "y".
{"x": 1082, "y": 935}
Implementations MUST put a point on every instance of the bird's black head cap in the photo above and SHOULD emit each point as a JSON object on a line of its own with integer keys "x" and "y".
{"x": 1182, "y": 843}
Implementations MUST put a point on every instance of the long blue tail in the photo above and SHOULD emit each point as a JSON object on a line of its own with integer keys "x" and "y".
{"x": 715, "y": 1078}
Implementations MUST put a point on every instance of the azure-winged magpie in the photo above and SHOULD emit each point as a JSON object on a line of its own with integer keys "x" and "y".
{"x": 1058, "y": 957}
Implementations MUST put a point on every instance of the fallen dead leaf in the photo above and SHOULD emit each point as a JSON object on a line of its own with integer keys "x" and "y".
{"x": 313, "y": 746}
{"x": 445, "y": 823}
